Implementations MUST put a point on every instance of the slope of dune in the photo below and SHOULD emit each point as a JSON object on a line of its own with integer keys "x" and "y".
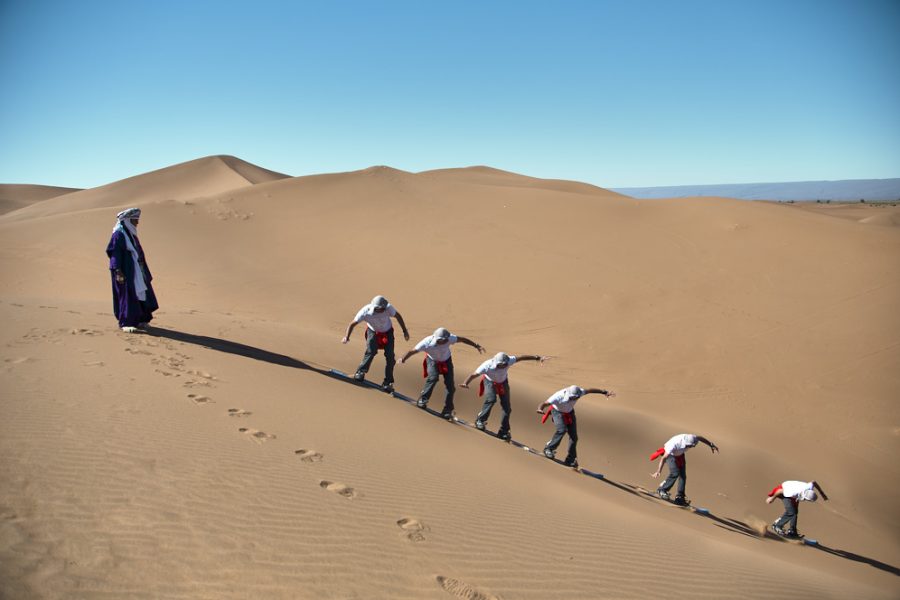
{"x": 14, "y": 196}
{"x": 490, "y": 176}
{"x": 219, "y": 451}
{"x": 200, "y": 177}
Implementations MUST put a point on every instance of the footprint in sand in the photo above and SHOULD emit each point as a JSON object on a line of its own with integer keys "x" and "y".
{"x": 190, "y": 383}
{"x": 204, "y": 375}
{"x": 237, "y": 412}
{"x": 413, "y": 529}
{"x": 339, "y": 488}
{"x": 256, "y": 435}
{"x": 461, "y": 589}
{"x": 310, "y": 456}
{"x": 83, "y": 331}
{"x": 199, "y": 399}
{"x": 96, "y": 363}
{"x": 18, "y": 361}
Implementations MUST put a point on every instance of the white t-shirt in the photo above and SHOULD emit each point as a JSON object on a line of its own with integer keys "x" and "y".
{"x": 489, "y": 369}
{"x": 563, "y": 401}
{"x": 437, "y": 352}
{"x": 794, "y": 489}
{"x": 377, "y": 322}
{"x": 680, "y": 443}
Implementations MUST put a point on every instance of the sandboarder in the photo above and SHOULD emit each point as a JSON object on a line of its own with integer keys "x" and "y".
{"x": 672, "y": 453}
{"x": 438, "y": 361}
{"x": 379, "y": 336}
{"x": 494, "y": 372}
{"x": 792, "y": 493}
{"x": 133, "y": 298}
{"x": 562, "y": 409}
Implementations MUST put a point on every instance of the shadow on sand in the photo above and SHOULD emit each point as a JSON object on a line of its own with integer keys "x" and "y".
{"x": 233, "y": 348}
{"x": 282, "y": 360}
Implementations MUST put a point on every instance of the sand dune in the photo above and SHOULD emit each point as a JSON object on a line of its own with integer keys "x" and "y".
{"x": 14, "y": 196}
{"x": 216, "y": 458}
{"x": 201, "y": 177}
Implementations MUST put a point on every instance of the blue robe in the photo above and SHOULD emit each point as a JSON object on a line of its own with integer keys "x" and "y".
{"x": 127, "y": 307}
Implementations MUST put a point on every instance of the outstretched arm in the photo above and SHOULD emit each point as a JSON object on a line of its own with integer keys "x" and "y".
{"x": 469, "y": 342}
{"x": 408, "y": 355}
{"x": 543, "y": 407}
{"x": 402, "y": 326}
{"x": 606, "y": 393}
{"x": 821, "y": 491}
{"x": 712, "y": 446}
{"x": 537, "y": 357}
{"x": 349, "y": 331}
{"x": 465, "y": 384}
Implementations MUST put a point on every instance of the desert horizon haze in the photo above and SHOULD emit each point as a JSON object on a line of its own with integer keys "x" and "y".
{"x": 217, "y": 455}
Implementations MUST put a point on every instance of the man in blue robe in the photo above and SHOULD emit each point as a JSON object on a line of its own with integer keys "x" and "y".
{"x": 133, "y": 297}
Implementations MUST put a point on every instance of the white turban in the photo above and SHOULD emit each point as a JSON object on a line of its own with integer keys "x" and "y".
{"x": 129, "y": 213}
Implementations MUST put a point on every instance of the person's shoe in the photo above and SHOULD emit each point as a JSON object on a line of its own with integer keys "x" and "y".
{"x": 680, "y": 501}
{"x": 359, "y": 376}
{"x": 143, "y": 325}
{"x": 421, "y": 402}
{"x": 793, "y": 534}
{"x": 479, "y": 425}
{"x": 663, "y": 494}
{"x": 778, "y": 530}
{"x": 549, "y": 453}
{"x": 447, "y": 415}
{"x": 507, "y": 436}
{"x": 572, "y": 463}
{"x": 129, "y": 329}
{"x": 387, "y": 387}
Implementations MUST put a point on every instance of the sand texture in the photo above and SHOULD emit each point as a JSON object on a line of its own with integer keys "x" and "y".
{"x": 216, "y": 456}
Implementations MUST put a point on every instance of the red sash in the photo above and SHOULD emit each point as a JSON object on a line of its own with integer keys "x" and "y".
{"x": 777, "y": 489}
{"x": 679, "y": 460}
{"x": 498, "y": 387}
{"x": 567, "y": 417}
{"x": 442, "y": 367}
{"x": 382, "y": 339}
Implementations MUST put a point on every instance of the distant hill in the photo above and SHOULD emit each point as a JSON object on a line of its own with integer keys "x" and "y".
{"x": 844, "y": 190}
{"x": 195, "y": 178}
{"x": 14, "y": 196}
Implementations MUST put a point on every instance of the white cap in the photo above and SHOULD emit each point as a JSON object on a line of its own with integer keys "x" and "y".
{"x": 441, "y": 333}
{"x": 380, "y": 301}
{"x": 809, "y": 495}
{"x": 501, "y": 357}
{"x": 574, "y": 390}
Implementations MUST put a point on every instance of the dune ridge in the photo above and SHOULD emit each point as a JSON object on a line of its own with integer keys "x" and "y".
{"x": 14, "y": 196}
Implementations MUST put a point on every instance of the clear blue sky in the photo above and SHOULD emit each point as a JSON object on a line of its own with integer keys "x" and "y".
{"x": 615, "y": 93}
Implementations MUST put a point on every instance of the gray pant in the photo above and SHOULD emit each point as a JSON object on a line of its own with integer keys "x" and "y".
{"x": 791, "y": 507}
{"x": 562, "y": 428}
{"x": 675, "y": 472}
{"x": 431, "y": 380}
{"x": 490, "y": 398}
{"x": 372, "y": 350}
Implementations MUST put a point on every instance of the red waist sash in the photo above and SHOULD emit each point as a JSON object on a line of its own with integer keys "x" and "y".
{"x": 567, "y": 417}
{"x": 499, "y": 387}
{"x": 442, "y": 367}
{"x": 381, "y": 338}
{"x": 679, "y": 460}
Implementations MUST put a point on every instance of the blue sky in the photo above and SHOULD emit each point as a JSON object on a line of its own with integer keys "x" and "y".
{"x": 615, "y": 93}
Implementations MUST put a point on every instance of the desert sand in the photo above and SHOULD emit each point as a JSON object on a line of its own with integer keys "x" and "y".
{"x": 214, "y": 456}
